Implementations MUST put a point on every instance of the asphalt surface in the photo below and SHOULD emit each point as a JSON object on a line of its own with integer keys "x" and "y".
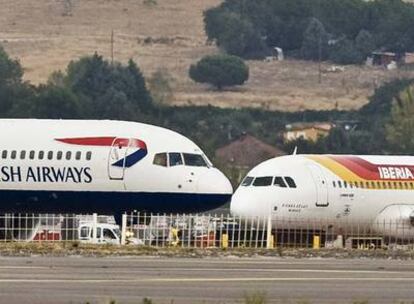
{"x": 209, "y": 280}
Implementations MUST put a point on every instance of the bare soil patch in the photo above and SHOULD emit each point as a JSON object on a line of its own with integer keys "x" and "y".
{"x": 45, "y": 35}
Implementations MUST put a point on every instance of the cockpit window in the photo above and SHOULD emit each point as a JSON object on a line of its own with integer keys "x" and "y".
{"x": 209, "y": 163}
{"x": 263, "y": 181}
{"x": 175, "y": 159}
{"x": 194, "y": 160}
{"x": 247, "y": 181}
{"x": 160, "y": 159}
{"x": 279, "y": 182}
{"x": 290, "y": 182}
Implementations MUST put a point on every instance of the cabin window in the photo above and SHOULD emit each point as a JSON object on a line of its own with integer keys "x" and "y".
{"x": 367, "y": 185}
{"x": 4, "y": 154}
{"x": 390, "y": 185}
{"x": 59, "y": 155}
{"x": 13, "y": 154}
{"x": 361, "y": 185}
{"x": 373, "y": 185}
{"x": 279, "y": 182}
{"x": 50, "y": 155}
{"x": 384, "y": 185}
{"x": 160, "y": 159}
{"x": 378, "y": 185}
{"x": 247, "y": 181}
{"x": 411, "y": 185}
{"x": 88, "y": 155}
{"x": 175, "y": 159}
{"x": 78, "y": 155}
{"x": 194, "y": 160}
{"x": 345, "y": 184}
{"x": 41, "y": 155}
{"x": 334, "y": 184}
{"x": 263, "y": 181}
{"x": 339, "y": 184}
{"x": 32, "y": 154}
{"x": 351, "y": 185}
{"x": 68, "y": 155}
{"x": 22, "y": 154}
{"x": 400, "y": 184}
{"x": 291, "y": 183}
{"x": 356, "y": 184}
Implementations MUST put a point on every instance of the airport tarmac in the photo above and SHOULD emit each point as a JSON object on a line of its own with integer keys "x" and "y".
{"x": 208, "y": 280}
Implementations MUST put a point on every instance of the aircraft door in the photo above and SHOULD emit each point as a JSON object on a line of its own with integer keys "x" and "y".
{"x": 320, "y": 184}
{"x": 117, "y": 158}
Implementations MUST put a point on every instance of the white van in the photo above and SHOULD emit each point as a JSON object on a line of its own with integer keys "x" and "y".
{"x": 105, "y": 233}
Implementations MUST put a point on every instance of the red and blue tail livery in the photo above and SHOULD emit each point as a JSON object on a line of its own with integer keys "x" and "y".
{"x": 137, "y": 146}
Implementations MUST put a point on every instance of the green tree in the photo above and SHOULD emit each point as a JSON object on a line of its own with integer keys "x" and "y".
{"x": 93, "y": 79}
{"x": 399, "y": 130}
{"x": 238, "y": 36}
{"x": 11, "y": 72}
{"x": 160, "y": 86}
{"x": 55, "y": 102}
{"x": 220, "y": 71}
{"x": 380, "y": 103}
{"x": 365, "y": 43}
{"x": 315, "y": 41}
{"x": 345, "y": 52}
{"x": 244, "y": 25}
{"x": 12, "y": 88}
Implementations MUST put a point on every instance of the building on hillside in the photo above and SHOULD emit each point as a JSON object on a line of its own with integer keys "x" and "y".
{"x": 384, "y": 58}
{"x": 241, "y": 155}
{"x": 409, "y": 58}
{"x": 307, "y": 131}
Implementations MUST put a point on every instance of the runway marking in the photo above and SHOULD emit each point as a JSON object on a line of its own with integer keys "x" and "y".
{"x": 348, "y": 271}
{"x": 197, "y": 280}
{"x": 24, "y": 267}
{"x": 147, "y": 269}
{"x": 283, "y": 270}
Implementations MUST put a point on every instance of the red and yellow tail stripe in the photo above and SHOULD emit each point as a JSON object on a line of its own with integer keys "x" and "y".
{"x": 362, "y": 173}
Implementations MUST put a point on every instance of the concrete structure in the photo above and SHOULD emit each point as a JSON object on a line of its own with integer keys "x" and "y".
{"x": 307, "y": 131}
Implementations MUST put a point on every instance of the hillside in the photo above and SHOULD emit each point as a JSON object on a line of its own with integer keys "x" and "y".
{"x": 45, "y": 35}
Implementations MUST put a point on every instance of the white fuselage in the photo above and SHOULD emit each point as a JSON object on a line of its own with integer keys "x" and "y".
{"x": 345, "y": 190}
{"x": 103, "y": 166}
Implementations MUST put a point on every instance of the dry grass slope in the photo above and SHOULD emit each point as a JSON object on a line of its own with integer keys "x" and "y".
{"x": 47, "y": 34}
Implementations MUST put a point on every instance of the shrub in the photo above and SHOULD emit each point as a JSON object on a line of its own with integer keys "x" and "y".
{"x": 220, "y": 71}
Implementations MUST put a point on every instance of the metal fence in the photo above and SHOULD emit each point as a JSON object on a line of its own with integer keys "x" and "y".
{"x": 203, "y": 231}
{"x": 53, "y": 228}
{"x": 208, "y": 231}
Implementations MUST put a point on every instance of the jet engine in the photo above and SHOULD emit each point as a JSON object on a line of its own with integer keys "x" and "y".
{"x": 396, "y": 221}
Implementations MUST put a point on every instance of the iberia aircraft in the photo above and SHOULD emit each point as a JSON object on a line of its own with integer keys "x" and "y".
{"x": 71, "y": 166}
{"x": 342, "y": 190}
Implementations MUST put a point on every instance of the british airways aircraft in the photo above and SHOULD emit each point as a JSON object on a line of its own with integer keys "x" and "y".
{"x": 83, "y": 166}
{"x": 343, "y": 190}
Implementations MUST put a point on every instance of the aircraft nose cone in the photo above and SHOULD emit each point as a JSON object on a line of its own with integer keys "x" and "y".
{"x": 214, "y": 189}
{"x": 238, "y": 204}
{"x": 215, "y": 182}
{"x": 246, "y": 203}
